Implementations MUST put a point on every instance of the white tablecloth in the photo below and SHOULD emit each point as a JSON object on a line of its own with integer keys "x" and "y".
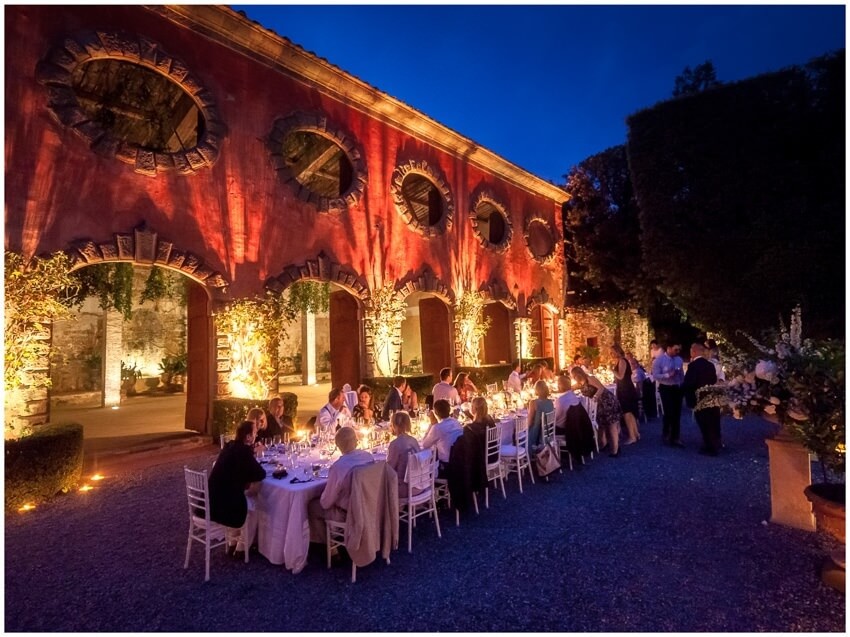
{"x": 282, "y": 528}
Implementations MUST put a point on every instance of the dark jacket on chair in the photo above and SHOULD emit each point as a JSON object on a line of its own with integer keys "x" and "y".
{"x": 467, "y": 471}
{"x": 234, "y": 470}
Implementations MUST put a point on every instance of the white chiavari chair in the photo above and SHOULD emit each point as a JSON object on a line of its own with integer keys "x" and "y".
{"x": 515, "y": 457}
{"x": 495, "y": 470}
{"x": 420, "y": 475}
{"x": 201, "y": 529}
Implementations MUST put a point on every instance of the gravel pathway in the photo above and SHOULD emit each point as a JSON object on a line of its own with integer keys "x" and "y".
{"x": 658, "y": 540}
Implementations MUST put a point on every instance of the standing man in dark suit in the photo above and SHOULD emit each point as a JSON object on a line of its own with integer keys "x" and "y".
{"x": 393, "y": 401}
{"x": 701, "y": 373}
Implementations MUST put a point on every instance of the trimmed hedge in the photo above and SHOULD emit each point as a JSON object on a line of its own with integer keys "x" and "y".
{"x": 227, "y": 413}
{"x": 380, "y": 385}
{"x": 39, "y": 466}
{"x": 489, "y": 374}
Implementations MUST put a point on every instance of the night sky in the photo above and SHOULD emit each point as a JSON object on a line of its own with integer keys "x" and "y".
{"x": 547, "y": 86}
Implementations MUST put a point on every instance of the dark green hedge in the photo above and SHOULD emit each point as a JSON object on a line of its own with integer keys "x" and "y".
{"x": 39, "y": 466}
{"x": 229, "y": 412}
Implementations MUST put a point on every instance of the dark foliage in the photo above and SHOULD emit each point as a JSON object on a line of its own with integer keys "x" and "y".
{"x": 741, "y": 196}
{"x": 111, "y": 283}
{"x": 39, "y": 466}
{"x": 602, "y": 230}
{"x": 692, "y": 81}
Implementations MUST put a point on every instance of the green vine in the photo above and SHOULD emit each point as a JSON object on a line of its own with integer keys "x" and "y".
{"x": 471, "y": 326}
{"x": 158, "y": 285}
{"x": 308, "y": 296}
{"x": 254, "y": 328}
{"x": 38, "y": 292}
{"x": 383, "y": 322}
{"x": 111, "y": 283}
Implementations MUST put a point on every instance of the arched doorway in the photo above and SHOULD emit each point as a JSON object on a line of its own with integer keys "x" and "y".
{"x": 323, "y": 345}
{"x": 140, "y": 347}
{"x": 497, "y": 340}
{"x": 426, "y": 345}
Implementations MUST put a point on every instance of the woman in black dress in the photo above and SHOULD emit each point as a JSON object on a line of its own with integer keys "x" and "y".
{"x": 235, "y": 475}
{"x": 627, "y": 393}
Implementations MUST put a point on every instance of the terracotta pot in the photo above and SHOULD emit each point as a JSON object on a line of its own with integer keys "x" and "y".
{"x": 828, "y": 506}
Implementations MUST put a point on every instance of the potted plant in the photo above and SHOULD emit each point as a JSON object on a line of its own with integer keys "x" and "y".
{"x": 129, "y": 375}
{"x": 173, "y": 372}
{"x": 799, "y": 384}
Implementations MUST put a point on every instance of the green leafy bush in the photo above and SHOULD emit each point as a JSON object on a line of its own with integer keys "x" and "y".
{"x": 229, "y": 412}
{"x": 39, "y": 466}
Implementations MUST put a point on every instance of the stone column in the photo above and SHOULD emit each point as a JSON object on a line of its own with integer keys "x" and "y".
{"x": 522, "y": 330}
{"x": 308, "y": 348}
{"x": 113, "y": 324}
{"x": 790, "y": 474}
{"x": 561, "y": 361}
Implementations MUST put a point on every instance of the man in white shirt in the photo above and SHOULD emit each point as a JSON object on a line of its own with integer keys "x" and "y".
{"x": 444, "y": 433}
{"x": 444, "y": 390}
{"x": 334, "y": 501}
{"x": 668, "y": 372}
{"x": 329, "y": 415}
{"x": 514, "y": 382}
{"x": 563, "y": 402}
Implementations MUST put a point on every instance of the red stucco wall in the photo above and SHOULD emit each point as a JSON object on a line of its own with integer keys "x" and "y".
{"x": 236, "y": 215}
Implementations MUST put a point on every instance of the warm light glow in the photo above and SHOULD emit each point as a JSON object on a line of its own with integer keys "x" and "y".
{"x": 97, "y": 477}
{"x": 86, "y": 487}
{"x": 27, "y": 507}
{"x": 525, "y": 342}
{"x": 115, "y": 407}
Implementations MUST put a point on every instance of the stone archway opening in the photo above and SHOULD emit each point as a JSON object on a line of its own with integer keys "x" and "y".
{"x": 426, "y": 345}
{"x": 135, "y": 364}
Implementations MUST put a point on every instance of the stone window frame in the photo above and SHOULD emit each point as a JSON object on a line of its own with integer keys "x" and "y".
{"x": 319, "y": 124}
{"x": 490, "y": 198}
{"x": 436, "y": 177}
{"x": 55, "y": 73}
{"x": 547, "y": 258}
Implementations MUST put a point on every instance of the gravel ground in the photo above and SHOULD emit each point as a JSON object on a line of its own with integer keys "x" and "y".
{"x": 658, "y": 540}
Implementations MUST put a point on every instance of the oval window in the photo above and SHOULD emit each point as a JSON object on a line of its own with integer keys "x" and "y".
{"x": 492, "y": 224}
{"x": 423, "y": 200}
{"x": 318, "y": 163}
{"x": 138, "y": 105}
{"x": 540, "y": 241}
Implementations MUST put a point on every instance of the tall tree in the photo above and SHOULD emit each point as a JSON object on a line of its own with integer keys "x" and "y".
{"x": 602, "y": 229}
{"x": 741, "y": 196}
{"x": 691, "y": 82}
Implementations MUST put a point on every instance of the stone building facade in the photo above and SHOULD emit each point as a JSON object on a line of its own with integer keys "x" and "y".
{"x": 193, "y": 138}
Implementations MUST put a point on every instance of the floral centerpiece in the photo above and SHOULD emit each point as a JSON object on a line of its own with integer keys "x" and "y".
{"x": 796, "y": 382}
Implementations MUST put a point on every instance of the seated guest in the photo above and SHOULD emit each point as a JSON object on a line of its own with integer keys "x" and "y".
{"x": 235, "y": 475}
{"x": 277, "y": 423}
{"x": 258, "y": 417}
{"x": 363, "y": 409}
{"x": 465, "y": 387}
{"x": 534, "y": 375}
{"x": 514, "y": 382}
{"x": 393, "y": 400}
{"x": 482, "y": 420}
{"x": 444, "y": 433}
{"x": 546, "y": 373}
{"x": 330, "y": 415}
{"x": 334, "y": 501}
{"x": 638, "y": 372}
{"x": 444, "y": 390}
{"x": 536, "y": 408}
{"x": 400, "y": 447}
{"x": 409, "y": 399}
{"x": 567, "y": 399}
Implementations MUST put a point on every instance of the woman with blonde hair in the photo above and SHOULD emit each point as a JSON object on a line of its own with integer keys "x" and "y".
{"x": 607, "y": 409}
{"x": 399, "y": 449}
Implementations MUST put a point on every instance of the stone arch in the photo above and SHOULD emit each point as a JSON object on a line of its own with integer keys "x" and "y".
{"x": 538, "y": 219}
{"x": 488, "y": 197}
{"x": 319, "y": 124}
{"x": 497, "y": 290}
{"x": 540, "y": 298}
{"x": 56, "y": 70}
{"x": 425, "y": 281}
{"x": 142, "y": 246}
{"x": 435, "y": 176}
{"x": 322, "y": 268}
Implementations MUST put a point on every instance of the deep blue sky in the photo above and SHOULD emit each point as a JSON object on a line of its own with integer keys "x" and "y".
{"x": 547, "y": 86}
